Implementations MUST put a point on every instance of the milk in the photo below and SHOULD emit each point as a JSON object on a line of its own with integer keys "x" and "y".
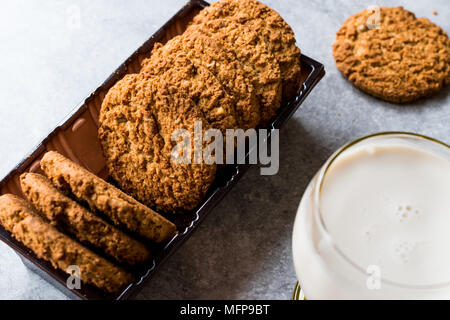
{"x": 378, "y": 225}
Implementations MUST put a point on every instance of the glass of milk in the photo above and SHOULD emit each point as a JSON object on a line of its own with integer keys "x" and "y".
{"x": 374, "y": 223}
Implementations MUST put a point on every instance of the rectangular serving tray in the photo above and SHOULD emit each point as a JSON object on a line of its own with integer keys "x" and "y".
{"x": 82, "y": 126}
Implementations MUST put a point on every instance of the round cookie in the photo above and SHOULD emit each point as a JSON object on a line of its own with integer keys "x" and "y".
{"x": 402, "y": 59}
{"x": 271, "y": 27}
{"x": 196, "y": 82}
{"x": 137, "y": 119}
{"x": 120, "y": 208}
{"x": 259, "y": 64}
{"x": 19, "y": 218}
{"x": 222, "y": 63}
{"x": 72, "y": 218}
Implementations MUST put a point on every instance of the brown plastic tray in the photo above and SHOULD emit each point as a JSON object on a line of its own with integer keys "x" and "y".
{"x": 77, "y": 139}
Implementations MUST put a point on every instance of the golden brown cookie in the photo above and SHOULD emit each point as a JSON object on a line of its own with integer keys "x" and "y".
{"x": 269, "y": 25}
{"x": 213, "y": 55}
{"x": 195, "y": 82}
{"x": 402, "y": 59}
{"x": 19, "y": 218}
{"x": 70, "y": 217}
{"x": 120, "y": 208}
{"x": 259, "y": 64}
{"x": 137, "y": 120}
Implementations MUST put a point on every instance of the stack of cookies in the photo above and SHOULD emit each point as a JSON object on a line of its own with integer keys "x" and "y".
{"x": 61, "y": 230}
{"x": 232, "y": 68}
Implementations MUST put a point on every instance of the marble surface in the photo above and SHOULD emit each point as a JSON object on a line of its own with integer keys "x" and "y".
{"x": 56, "y": 52}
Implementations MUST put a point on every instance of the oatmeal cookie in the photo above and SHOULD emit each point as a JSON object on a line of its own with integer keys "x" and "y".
{"x": 402, "y": 59}
{"x": 269, "y": 25}
{"x": 70, "y": 217}
{"x": 120, "y": 208}
{"x": 213, "y": 55}
{"x": 259, "y": 64}
{"x": 195, "y": 82}
{"x": 19, "y": 218}
{"x": 137, "y": 120}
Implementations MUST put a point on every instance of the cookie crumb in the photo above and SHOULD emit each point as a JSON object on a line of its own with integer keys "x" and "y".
{"x": 435, "y": 12}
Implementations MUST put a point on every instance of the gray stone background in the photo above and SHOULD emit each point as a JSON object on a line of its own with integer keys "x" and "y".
{"x": 243, "y": 249}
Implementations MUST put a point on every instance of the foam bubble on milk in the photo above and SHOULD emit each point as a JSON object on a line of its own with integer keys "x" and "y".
{"x": 405, "y": 212}
{"x": 404, "y": 248}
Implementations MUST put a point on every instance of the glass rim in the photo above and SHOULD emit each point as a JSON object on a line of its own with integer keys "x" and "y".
{"x": 318, "y": 212}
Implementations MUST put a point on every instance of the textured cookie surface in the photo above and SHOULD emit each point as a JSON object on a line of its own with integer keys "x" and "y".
{"x": 269, "y": 25}
{"x": 122, "y": 209}
{"x": 213, "y": 55}
{"x": 70, "y": 217}
{"x": 401, "y": 59}
{"x": 259, "y": 63}
{"x": 138, "y": 117}
{"x": 19, "y": 218}
{"x": 193, "y": 81}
